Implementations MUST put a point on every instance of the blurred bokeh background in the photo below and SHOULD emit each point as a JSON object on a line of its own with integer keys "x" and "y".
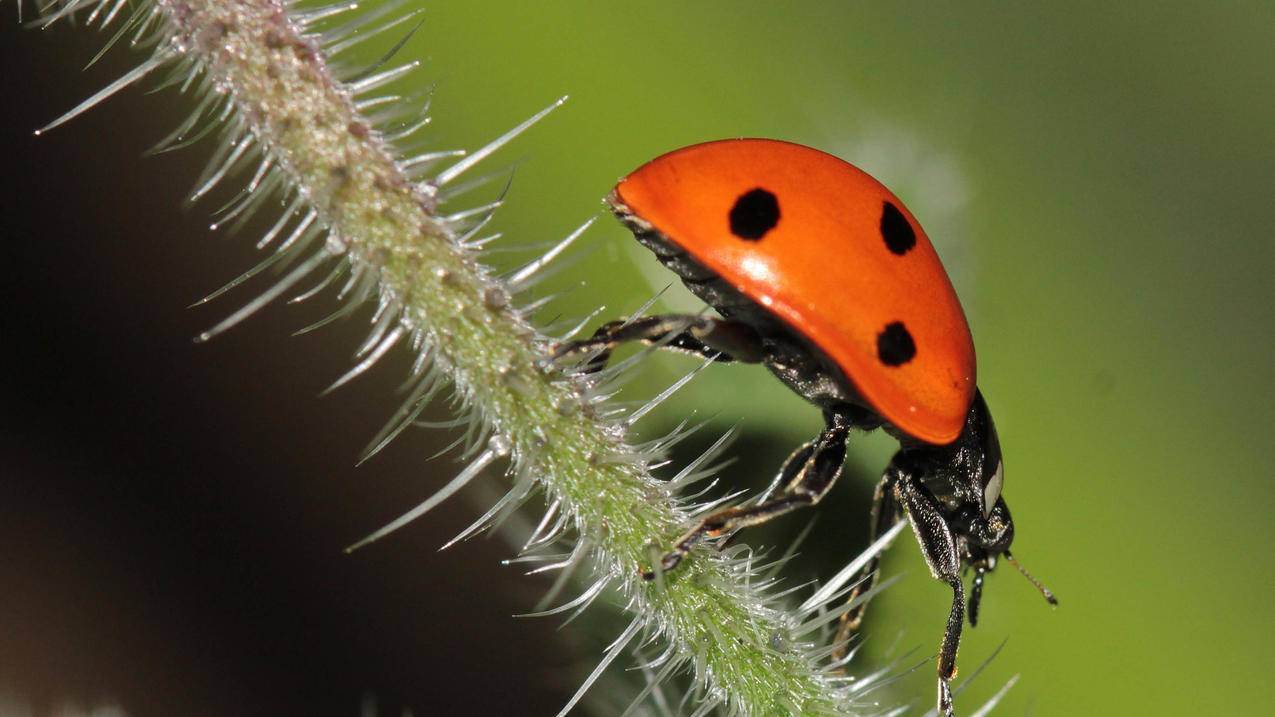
{"x": 1098, "y": 178}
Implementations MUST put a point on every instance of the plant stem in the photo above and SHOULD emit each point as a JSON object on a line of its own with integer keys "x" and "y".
{"x": 291, "y": 108}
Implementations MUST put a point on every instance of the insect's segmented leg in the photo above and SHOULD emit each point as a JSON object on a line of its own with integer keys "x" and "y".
{"x": 939, "y": 549}
{"x": 885, "y": 513}
{"x": 976, "y": 591}
{"x": 793, "y": 463}
{"x": 813, "y": 470}
{"x": 722, "y": 339}
{"x": 788, "y": 470}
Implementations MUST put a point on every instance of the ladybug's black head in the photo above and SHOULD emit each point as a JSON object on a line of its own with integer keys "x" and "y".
{"x": 980, "y": 518}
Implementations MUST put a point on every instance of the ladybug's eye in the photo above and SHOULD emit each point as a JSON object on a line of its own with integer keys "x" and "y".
{"x": 755, "y": 213}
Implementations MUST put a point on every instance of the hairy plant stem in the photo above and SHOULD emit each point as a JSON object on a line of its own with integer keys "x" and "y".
{"x": 306, "y": 123}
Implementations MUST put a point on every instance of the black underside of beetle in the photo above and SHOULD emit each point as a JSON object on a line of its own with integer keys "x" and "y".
{"x": 802, "y": 366}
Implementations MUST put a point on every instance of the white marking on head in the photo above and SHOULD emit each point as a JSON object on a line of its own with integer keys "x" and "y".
{"x": 993, "y": 490}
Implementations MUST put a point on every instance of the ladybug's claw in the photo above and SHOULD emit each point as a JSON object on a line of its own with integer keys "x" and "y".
{"x": 945, "y": 699}
{"x": 668, "y": 562}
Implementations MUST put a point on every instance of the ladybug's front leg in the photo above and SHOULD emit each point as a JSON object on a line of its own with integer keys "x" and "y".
{"x": 720, "y": 339}
{"x": 939, "y": 548}
{"x": 814, "y": 468}
{"x": 976, "y": 591}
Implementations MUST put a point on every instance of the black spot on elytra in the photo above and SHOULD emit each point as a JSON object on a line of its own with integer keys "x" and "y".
{"x": 895, "y": 229}
{"x": 755, "y": 213}
{"x": 894, "y": 345}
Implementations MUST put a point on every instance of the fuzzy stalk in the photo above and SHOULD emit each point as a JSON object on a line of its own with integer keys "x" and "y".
{"x": 306, "y": 123}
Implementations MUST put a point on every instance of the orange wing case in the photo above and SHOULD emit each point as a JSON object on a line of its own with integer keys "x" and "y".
{"x": 825, "y": 268}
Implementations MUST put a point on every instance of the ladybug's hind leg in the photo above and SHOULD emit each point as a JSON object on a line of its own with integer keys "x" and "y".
{"x": 720, "y": 339}
{"x": 813, "y": 468}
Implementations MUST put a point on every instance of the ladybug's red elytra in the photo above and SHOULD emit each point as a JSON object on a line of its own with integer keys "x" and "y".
{"x": 822, "y": 275}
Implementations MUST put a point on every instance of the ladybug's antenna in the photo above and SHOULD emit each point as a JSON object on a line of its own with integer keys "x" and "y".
{"x": 1039, "y": 586}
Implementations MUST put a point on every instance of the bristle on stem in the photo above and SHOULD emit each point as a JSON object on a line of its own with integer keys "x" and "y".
{"x": 454, "y": 171}
{"x": 499, "y": 448}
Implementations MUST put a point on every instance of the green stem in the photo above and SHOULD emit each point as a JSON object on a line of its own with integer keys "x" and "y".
{"x": 306, "y": 124}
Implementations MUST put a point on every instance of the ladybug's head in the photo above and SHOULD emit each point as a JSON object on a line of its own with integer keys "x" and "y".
{"x": 984, "y": 522}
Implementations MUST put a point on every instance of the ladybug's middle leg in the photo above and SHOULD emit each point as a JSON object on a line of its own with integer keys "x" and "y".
{"x": 721, "y": 339}
{"x": 886, "y": 512}
{"x": 814, "y": 469}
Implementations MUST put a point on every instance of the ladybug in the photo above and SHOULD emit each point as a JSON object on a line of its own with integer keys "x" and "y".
{"x": 819, "y": 273}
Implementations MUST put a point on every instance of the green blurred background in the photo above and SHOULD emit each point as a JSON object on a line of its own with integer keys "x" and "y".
{"x": 1098, "y": 180}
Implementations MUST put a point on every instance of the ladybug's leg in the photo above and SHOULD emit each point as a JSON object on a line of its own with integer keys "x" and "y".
{"x": 976, "y": 591}
{"x": 886, "y": 511}
{"x": 939, "y": 548}
{"x": 721, "y": 339}
{"x": 813, "y": 469}
{"x": 793, "y": 463}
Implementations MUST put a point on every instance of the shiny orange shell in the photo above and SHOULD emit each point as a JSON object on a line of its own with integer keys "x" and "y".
{"x": 844, "y": 264}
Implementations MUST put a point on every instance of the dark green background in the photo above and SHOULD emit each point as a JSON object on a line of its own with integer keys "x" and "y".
{"x": 1098, "y": 180}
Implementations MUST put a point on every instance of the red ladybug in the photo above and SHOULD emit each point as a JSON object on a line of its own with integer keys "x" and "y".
{"x": 822, "y": 275}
